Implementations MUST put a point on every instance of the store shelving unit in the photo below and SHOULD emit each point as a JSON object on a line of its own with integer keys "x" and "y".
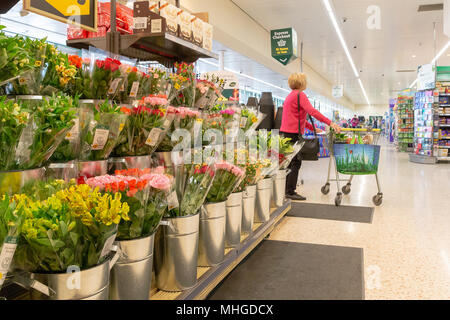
{"x": 405, "y": 124}
{"x": 424, "y": 126}
{"x": 442, "y": 121}
{"x": 209, "y": 278}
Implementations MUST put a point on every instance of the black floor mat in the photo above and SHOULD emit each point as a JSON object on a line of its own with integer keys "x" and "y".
{"x": 331, "y": 212}
{"x": 296, "y": 271}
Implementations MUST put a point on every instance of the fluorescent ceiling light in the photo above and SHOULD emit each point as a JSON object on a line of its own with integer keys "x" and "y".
{"x": 364, "y": 91}
{"x": 413, "y": 84}
{"x": 340, "y": 35}
{"x": 246, "y": 76}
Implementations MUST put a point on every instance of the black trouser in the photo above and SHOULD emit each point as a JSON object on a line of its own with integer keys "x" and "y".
{"x": 292, "y": 178}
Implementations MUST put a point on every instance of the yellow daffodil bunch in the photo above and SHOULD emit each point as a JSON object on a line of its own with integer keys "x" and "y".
{"x": 71, "y": 227}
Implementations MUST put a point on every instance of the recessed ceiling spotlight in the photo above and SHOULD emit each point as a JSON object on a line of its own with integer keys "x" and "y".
{"x": 414, "y": 56}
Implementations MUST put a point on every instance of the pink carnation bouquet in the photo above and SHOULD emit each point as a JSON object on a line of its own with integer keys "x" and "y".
{"x": 228, "y": 178}
{"x": 145, "y": 193}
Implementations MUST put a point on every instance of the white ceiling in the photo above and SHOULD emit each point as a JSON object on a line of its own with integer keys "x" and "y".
{"x": 404, "y": 32}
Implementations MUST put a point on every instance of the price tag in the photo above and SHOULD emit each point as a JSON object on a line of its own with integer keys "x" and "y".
{"x": 6, "y": 257}
{"x": 172, "y": 201}
{"x": 122, "y": 87}
{"x": 74, "y": 133}
{"x": 153, "y": 137}
{"x": 107, "y": 247}
{"x": 140, "y": 23}
{"x": 100, "y": 139}
{"x": 156, "y": 26}
{"x": 243, "y": 122}
{"x": 114, "y": 85}
{"x": 134, "y": 89}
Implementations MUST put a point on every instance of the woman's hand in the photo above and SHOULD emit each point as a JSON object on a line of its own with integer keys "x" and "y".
{"x": 336, "y": 127}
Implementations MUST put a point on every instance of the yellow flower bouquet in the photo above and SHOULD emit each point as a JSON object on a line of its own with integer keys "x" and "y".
{"x": 74, "y": 227}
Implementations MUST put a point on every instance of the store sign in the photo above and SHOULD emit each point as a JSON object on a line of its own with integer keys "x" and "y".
{"x": 426, "y": 77}
{"x": 82, "y": 13}
{"x": 338, "y": 91}
{"x": 284, "y": 43}
{"x": 231, "y": 88}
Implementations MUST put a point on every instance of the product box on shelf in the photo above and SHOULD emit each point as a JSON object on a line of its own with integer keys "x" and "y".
{"x": 74, "y": 32}
{"x": 170, "y": 13}
{"x": 185, "y": 25}
{"x": 101, "y": 32}
{"x": 146, "y": 21}
{"x": 208, "y": 36}
{"x": 197, "y": 30}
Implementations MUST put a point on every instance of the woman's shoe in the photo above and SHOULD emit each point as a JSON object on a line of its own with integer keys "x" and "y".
{"x": 295, "y": 196}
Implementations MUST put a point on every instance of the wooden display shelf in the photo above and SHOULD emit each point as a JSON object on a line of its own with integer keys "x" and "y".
{"x": 210, "y": 277}
{"x": 162, "y": 47}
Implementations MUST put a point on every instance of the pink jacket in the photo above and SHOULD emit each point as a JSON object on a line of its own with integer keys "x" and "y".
{"x": 289, "y": 123}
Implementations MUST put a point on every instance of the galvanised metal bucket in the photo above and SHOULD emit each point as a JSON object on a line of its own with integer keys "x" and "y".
{"x": 131, "y": 276}
{"x": 279, "y": 188}
{"x": 12, "y": 182}
{"x": 263, "y": 195}
{"x": 234, "y": 220}
{"x": 93, "y": 284}
{"x": 211, "y": 247}
{"x": 248, "y": 209}
{"x": 173, "y": 163}
{"x": 89, "y": 169}
{"x": 62, "y": 171}
{"x": 176, "y": 253}
{"x": 140, "y": 162}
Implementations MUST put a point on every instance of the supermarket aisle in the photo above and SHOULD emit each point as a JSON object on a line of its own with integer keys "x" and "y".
{"x": 407, "y": 246}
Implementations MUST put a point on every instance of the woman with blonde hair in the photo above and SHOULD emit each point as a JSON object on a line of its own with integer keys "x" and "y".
{"x": 296, "y": 107}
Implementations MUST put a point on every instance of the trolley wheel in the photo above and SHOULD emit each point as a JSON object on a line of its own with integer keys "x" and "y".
{"x": 326, "y": 189}
{"x": 378, "y": 199}
{"x": 347, "y": 188}
{"x": 338, "y": 199}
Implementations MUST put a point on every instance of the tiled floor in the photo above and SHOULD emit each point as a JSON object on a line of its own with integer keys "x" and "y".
{"x": 407, "y": 247}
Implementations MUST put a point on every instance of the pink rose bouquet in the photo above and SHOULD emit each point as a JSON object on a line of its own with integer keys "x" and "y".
{"x": 228, "y": 177}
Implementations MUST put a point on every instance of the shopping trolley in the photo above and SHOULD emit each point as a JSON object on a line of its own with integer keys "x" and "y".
{"x": 353, "y": 152}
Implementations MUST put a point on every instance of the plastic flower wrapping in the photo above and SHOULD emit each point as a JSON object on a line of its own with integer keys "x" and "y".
{"x": 286, "y": 150}
{"x": 10, "y": 223}
{"x": 208, "y": 92}
{"x": 49, "y": 124}
{"x": 228, "y": 178}
{"x": 100, "y": 129}
{"x": 146, "y": 195}
{"x": 183, "y": 85}
{"x": 145, "y": 128}
{"x": 106, "y": 78}
{"x": 199, "y": 179}
{"x": 81, "y": 84}
{"x": 183, "y": 118}
{"x": 14, "y": 118}
{"x": 73, "y": 227}
{"x": 250, "y": 120}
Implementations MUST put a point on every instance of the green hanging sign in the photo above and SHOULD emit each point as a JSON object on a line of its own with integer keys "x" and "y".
{"x": 284, "y": 44}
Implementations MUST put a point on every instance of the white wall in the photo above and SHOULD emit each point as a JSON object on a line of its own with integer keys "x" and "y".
{"x": 236, "y": 30}
{"x": 374, "y": 110}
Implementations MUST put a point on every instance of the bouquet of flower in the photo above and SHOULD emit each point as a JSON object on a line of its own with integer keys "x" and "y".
{"x": 286, "y": 150}
{"x": 51, "y": 121}
{"x": 228, "y": 177}
{"x": 101, "y": 131}
{"x": 146, "y": 196}
{"x": 208, "y": 92}
{"x": 156, "y": 83}
{"x": 75, "y": 226}
{"x": 184, "y": 84}
{"x": 60, "y": 73}
{"x": 14, "y": 119}
{"x": 81, "y": 83}
{"x": 106, "y": 78}
{"x": 198, "y": 183}
{"x": 11, "y": 217}
{"x": 145, "y": 127}
{"x": 250, "y": 120}
{"x": 15, "y": 59}
{"x": 183, "y": 118}
{"x": 30, "y": 82}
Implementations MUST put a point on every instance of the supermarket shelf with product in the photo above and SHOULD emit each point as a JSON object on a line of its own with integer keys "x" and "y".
{"x": 441, "y": 120}
{"x": 405, "y": 125}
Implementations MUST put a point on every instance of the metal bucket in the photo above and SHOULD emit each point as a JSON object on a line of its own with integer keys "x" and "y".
{"x": 234, "y": 220}
{"x": 263, "y": 195}
{"x": 12, "y": 182}
{"x": 173, "y": 163}
{"x": 62, "y": 171}
{"x": 131, "y": 276}
{"x": 140, "y": 162}
{"x": 93, "y": 284}
{"x": 89, "y": 169}
{"x": 211, "y": 247}
{"x": 248, "y": 209}
{"x": 279, "y": 188}
{"x": 176, "y": 253}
